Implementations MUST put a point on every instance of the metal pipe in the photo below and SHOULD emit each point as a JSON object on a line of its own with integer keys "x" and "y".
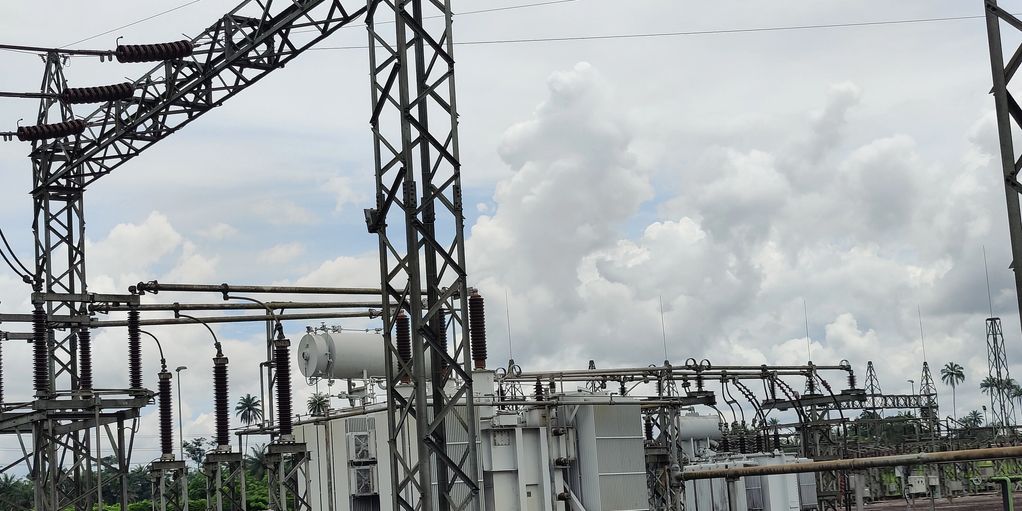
{"x": 857, "y": 463}
{"x": 237, "y": 319}
{"x": 157, "y": 287}
{"x": 64, "y": 51}
{"x": 716, "y": 370}
{"x": 170, "y": 307}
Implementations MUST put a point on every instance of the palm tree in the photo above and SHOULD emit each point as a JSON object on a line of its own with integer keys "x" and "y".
{"x": 952, "y": 374}
{"x": 973, "y": 419}
{"x": 318, "y": 403}
{"x": 254, "y": 462}
{"x": 249, "y": 409}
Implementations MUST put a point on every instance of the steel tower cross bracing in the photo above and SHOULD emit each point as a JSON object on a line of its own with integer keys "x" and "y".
{"x": 66, "y": 409}
{"x": 420, "y": 223}
{"x": 1009, "y": 117}
{"x": 242, "y": 47}
{"x": 1001, "y": 402}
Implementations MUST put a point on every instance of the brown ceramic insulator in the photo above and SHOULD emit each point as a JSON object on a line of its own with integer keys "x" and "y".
{"x": 477, "y": 329}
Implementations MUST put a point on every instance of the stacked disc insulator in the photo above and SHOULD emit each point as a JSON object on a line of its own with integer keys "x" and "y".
{"x": 85, "y": 359}
{"x": 134, "y": 351}
{"x": 166, "y": 420}
{"x": 403, "y": 337}
{"x": 282, "y": 361}
{"x": 153, "y": 52}
{"x": 100, "y": 94}
{"x": 477, "y": 329}
{"x": 40, "y": 353}
{"x": 48, "y": 131}
{"x": 222, "y": 416}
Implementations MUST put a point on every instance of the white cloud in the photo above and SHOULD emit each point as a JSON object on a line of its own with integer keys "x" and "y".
{"x": 344, "y": 192}
{"x": 282, "y": 212}
{"x": 218, "y": 231}
{"x": 281, "y": 253}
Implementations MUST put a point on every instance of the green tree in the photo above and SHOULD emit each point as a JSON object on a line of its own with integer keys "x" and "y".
{"x": 15, "y": 493}
{"x": 952, "y": 374}
{"x": 318, "y": 404}
{"x": 195, "y": 449}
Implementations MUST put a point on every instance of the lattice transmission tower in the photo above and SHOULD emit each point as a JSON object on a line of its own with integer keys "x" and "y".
{"x": 1002, "y": 408}
{"x": 420, "y": 222}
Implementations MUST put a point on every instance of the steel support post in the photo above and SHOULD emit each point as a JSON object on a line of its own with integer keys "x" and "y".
{"x": 1009, "y": 115}
{"x": 224, "y": 473}
{"x": 420, "y": 223}
{"x": 170, "y": 485}
{"x": 287, "y": 470}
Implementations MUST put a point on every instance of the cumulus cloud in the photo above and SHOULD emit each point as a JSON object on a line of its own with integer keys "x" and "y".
{"x": 857, "y": 229}
{"x": 278, "y": 211}
{"x": 281, "y": 253}
{"x": 218, "y": 231}
{"x": 345, "y": 192}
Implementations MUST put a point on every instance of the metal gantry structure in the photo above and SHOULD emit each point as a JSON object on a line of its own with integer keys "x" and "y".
{"x": 1002, "y": 404}
{"x": 420, "y": 222}
{"x": 422, "y": 267}
{"x": 1009, "y": 117}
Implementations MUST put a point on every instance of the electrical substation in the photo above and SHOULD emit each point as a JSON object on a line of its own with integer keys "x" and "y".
{"x": 428, "y": 420}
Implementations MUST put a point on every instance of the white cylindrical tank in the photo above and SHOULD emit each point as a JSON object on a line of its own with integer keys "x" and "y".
{"x": 698, "y": 427}
{"x": 341, "y": 355}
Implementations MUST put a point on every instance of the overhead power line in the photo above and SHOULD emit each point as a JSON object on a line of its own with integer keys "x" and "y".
{"x": 32, "y": 50}
{"x": 643, "y": 35}
{"x": 133, "y": 23}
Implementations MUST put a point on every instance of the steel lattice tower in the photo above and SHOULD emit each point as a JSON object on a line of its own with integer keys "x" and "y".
{"x": 1002, "y": 408}
{"x": 928, "y": 395}
{"x": 873, "y": 387}
{"x": 63, "y": 462}
{"x": 1009, "y": 117}
{"x": 420, "y": 223}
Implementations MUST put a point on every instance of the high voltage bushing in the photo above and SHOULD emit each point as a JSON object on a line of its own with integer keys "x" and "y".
{"x": 477, "y": 329}
{"x": 851, "y": 379}
{"x": 40, "y": 353}
{"x": 100, "y": 94}
{"x": 85, "y": 359}
{"x": 221, "y": 413}
{"x": 166, "y": 421}
{"x": 152, "y": 52}
{"x": 47, "y": 131}
{"x": 647, "y": 427}
{"x": 134, "y": 351}
{"x": 403, "y": 333}
{"x": 539, "y": 390}
{"x": 282, "y": 361}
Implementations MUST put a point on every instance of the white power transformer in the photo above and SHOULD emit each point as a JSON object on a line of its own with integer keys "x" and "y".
{"x": 578, "y": 450}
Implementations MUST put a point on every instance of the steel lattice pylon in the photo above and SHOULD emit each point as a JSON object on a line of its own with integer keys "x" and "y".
{"x": 420, "y": 223}
{"x": 873, "y": 389}
{"x": 65, "y": 457}
{"x": 928, "y": 396}
{"x": 1002, "y": 408}
{"x": 1009, "y": 117}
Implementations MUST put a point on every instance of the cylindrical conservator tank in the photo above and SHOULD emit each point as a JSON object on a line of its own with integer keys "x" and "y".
{"x": 341, "y": 355}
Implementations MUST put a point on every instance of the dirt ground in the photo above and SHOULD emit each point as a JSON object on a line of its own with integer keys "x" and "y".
{"x": 987, "y": 502}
